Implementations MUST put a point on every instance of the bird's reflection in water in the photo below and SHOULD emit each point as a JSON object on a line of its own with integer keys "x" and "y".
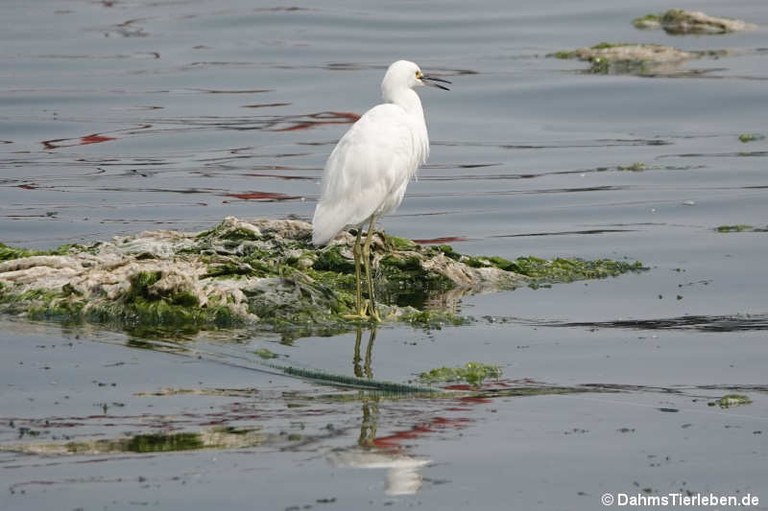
{"x": 365, "y": 370}
{"x": 403, "y": 476}
{"x": 370, "y": 401}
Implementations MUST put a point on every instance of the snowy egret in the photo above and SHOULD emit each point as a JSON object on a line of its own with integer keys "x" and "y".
{"x": 367, "y": 172}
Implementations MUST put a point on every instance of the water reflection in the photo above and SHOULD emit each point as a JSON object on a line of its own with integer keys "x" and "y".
{"x": 403, "y": 470}
{"x": 219, "y": 437}
{"x": 370, "y": 402}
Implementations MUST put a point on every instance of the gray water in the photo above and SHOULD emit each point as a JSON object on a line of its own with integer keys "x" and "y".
{"x": 117, "y": 117}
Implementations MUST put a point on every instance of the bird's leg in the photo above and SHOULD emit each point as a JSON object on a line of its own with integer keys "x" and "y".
{"x": 361, "y": 307}
{"x": 367, "y": 260}
{"x": 356, "y": 254}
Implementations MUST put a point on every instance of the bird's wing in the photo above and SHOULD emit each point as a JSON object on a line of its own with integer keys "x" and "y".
{"x": 371, "y": 163}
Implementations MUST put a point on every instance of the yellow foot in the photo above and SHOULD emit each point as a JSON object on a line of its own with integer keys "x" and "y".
{"x": 374, "y": 317}
{"x": 360, "y": 316}
{"x": 363, "y": 315}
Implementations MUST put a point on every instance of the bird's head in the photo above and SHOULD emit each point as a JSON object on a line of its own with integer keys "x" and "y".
{"x": 406, "y": 74}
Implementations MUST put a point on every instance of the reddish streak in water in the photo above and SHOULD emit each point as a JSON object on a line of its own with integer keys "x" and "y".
{"x": 396, "y": 439}
{"x": 320, "y": 119}
{"x": 27, "y": 186}
{"x": 95, "y": 139}
{"x": 460, "y": 386}
{"x": 446, "y": 239}
{"x": 266, "y": 196}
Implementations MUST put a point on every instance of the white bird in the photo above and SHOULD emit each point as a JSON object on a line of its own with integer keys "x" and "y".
{"x": 367, "y": 172}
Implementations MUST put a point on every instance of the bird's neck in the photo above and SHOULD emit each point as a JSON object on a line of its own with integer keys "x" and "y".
{"x": 407, "y": 99}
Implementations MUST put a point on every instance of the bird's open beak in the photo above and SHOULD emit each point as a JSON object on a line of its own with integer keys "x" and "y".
{"x": 434, "y": 81}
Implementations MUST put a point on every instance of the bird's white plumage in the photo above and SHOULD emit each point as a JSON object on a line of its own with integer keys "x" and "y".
{"x": 369, "y": 169}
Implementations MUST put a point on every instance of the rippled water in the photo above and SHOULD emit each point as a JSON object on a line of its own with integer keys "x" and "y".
{"x": 120, "y": 116}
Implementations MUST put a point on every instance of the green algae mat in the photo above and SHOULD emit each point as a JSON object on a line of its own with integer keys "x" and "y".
{"x": 645, "y": 59}
{"x": 258, "y": 274}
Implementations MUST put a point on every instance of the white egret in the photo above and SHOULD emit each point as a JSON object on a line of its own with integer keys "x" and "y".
{"x": 367, "y": 172}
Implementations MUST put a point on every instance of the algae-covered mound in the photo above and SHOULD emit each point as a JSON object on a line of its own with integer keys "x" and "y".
{"x": 626, "y": 58}
{"x": 262, "y": 273}
{"x": 679, "y": 22}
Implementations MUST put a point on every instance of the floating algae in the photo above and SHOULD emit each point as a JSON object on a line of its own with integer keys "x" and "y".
{"x": 639, "y": 59}
{"x": 740, "y": 228}
{"x": 745, "y": 138}
{"x": 731, "y": 400}
{"x": 263, "y": 273}
{"x": 680, "y": 22}
{"x": 628, "y": 58}
{"x": 473, "y": 373}
{"x": 655, "y": 59}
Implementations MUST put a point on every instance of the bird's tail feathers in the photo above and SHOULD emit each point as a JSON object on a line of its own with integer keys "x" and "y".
{"x": 329, "y": 220}
{"x": 326, "y": 224}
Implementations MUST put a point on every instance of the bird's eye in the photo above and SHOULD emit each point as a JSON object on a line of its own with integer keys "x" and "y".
{"x": 418, "y": 75}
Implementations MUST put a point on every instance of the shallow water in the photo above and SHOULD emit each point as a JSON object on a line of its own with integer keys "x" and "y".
{"x": 116, "y": 117}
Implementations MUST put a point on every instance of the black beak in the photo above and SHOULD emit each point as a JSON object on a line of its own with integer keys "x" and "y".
{"x": 434, "y": 81}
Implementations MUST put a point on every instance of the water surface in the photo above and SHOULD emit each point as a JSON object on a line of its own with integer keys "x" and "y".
{"x": 116, "y": 117}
